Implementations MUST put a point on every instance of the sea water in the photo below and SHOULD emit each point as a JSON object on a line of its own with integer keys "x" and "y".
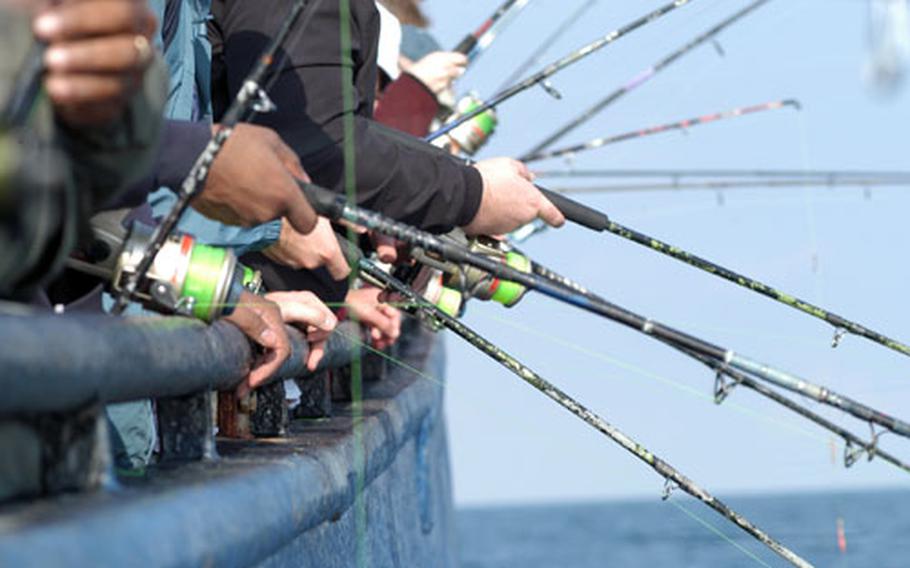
{"x": 837, "y": 530}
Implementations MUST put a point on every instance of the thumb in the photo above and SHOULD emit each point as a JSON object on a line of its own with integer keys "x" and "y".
{"x": 549, "y": 213}
{"x": 300, "y": 213}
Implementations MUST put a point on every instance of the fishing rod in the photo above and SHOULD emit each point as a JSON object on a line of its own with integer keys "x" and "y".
{"x": 643, "y": 77}
{"x": 336, "y": 208}
{"x": 722, "y": 388}
{"x": 475, "y": 43}
{"x": 540, "y": 78}
{"x": 662, "y": 128}
{"x": 671, "y": 475}
{"x": 725, "y": 184}
{"x": 600, "y": 222}
{"x": 833, "y": 175}
{"x": 534, "y": 58}
{"x": 250, "y": 99}
{"x": 854, "y": 446}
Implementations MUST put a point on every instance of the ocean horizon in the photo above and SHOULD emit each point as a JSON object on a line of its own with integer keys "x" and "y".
{"x": 839, "y": 529}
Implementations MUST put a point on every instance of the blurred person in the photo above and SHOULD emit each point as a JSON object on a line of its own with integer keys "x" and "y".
{"x": 83, "y": 143}
{"x": 409, "y": 92}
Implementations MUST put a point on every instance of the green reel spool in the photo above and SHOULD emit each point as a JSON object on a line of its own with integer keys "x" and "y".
{"x": 509, "y": 293}
{"x": 472, "y": 135}
{"x": 450, "y": 302}
{"x": 208, "y": 276}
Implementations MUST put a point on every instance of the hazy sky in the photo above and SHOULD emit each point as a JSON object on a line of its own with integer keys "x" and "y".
{"x": 842, "y": 248}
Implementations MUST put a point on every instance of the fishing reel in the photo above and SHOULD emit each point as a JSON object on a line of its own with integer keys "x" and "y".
{"x": 428, "y": 283}
{"x": 472, "y": 282}
{"x": 471, "y": 136}
{"x": 185, "y": 278}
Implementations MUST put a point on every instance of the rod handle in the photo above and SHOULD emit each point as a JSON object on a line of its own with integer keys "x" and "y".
{"x": 577, "y": 212}
{"x": 323, "y": 201}
{"x": 466, "y": 45}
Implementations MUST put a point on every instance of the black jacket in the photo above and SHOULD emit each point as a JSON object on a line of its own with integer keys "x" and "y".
{"x": 318, "y": 87}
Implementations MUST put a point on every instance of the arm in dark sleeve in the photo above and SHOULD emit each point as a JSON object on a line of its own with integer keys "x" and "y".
{"x": 181, "y": 143}
{"x": 320, "y": 87}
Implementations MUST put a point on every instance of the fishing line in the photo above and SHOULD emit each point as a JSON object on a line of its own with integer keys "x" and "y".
{"x": 680, "y": 386}
{"x": 718, "y": 532}
{"x": 664, "y": 469}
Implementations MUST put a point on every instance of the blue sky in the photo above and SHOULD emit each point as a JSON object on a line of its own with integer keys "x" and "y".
{"x": 841, "y": 248}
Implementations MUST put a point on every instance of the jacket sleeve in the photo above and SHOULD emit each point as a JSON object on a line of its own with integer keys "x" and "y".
{"x": 324, "y": 94}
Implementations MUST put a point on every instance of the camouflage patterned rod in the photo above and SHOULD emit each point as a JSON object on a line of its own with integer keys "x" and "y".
{"x": 644, "y": 77}
{"x": 740, "y": 378}
{"x": 729, "y": 358}
{"x": 839, "y": 322}
{"x": 598, "y": 221}
{"x": 664, "y": 469}
{"x": 854, "y": 445}
{"x": 541, "y": 76}
{"x": 662, "y": 128}
{"x": 336, "y": 208}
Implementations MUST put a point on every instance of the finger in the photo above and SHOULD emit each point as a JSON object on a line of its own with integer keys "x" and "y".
{"x": 336, "y": 263}
{"x": 386, "y": 248}
{"x": 550, "y": 214}
{"x": 317, "y": 352}
{"x": 88, "y": 114}
{"x": 459, "y": 59}
{"x": 265, "y": 367}
{"x": 94, "y": 18}
{"x": 300, "y": 213}
{"x": 522, "y": 170}
{"x": 306, "y": 313}
{"x": 88, "y": 89}
{"x": 243, "y": 389}
{"x": 105, "y": 55}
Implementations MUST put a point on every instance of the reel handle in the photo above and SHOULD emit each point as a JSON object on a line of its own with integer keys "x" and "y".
{"x": 577, "y": 212}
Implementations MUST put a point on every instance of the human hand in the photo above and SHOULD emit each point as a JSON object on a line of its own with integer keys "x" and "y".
{"x": 307, "y": 312}
{"x": 319, "y": 248}
{"x": 509, "y": 199}
{"x": 438, "y": 70}
{"x": 252, "y": 181}
{"x": 261, "y": 321}
{"x": 383, "y": 320}
{"x": 97, "y": 54}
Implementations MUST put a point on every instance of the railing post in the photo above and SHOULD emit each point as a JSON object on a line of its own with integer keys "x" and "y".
{"x": 51, "y": 453}
{"x": 315, "y": 395}
{"x": 187, "y": 427}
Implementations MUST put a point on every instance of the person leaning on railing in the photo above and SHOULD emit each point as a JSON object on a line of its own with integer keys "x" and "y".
{"x": 320, "y": 92}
